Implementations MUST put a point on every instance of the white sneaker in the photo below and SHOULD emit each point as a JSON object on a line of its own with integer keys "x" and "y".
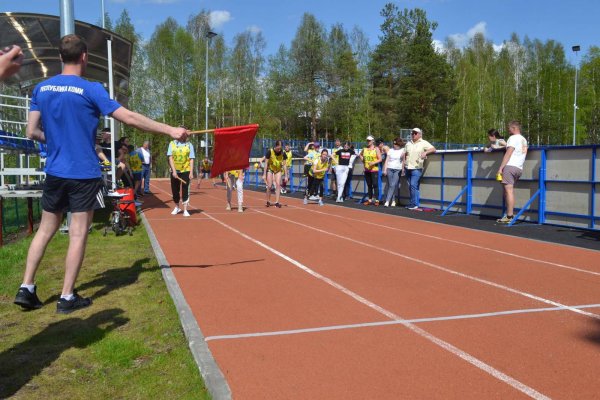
{"x": 305, "y": 201}
{"x": 386, "y": 204}
{"x": 228, "y": 208}
{"x": 175, "y": 211}
{"x": 320, "y": 202}
{"x": 186, "y": 213}
{"x": 240, "y": 209}
{"x": 339, "y": 201}
{"x": 313, "y": 198}
{"x": 393, "y": 203}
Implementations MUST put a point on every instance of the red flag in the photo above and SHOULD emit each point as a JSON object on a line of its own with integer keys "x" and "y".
{"x": 232, "y": 148}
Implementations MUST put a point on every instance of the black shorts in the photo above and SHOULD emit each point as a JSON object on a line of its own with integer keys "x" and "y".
{"x": 205, "y": 171}
{"x": 75, "y": 195}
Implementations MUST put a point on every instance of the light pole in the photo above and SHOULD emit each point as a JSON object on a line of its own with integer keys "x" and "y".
{"x": 575, "y": 49}
{"x": 209, "y": 35}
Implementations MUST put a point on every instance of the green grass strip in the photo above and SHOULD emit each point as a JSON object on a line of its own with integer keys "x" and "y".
{"x": 128, "y": 345}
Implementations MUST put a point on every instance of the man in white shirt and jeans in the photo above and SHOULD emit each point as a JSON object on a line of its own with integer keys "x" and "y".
{"x": 512, "y": 168}
{"x": 146, "y": 157}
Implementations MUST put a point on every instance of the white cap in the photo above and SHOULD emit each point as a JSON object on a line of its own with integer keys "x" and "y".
{"x": 370, "y": 137}
{"x": 417, "y": 130}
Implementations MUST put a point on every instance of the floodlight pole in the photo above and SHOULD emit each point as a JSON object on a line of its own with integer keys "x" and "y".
{"x": 67, "y": 21}
{"x": 209, "y": 35}
{"x": 576, "y": 50}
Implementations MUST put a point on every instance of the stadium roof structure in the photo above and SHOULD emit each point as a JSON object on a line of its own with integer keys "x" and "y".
{"x": 39, "y": 34}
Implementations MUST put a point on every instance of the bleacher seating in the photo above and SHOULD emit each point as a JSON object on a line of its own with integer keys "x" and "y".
{"x": 12, "y": 142}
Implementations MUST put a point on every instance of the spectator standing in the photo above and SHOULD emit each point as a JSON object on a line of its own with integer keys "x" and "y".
{"x": 371, "y": 157}
{"x": 392, "y": 169}
{"x": 334, "y": 163}
{"x": 511, "y": 167}
{"x": 146, "y": 157}
{"x": 348, "y": 184}
{"x": 495, "y": 141}
{"x": 288, "y": 169}
{"x": 344, "y": 155}
{"x": 417, "y": 151}
{"x": 68, "y": 108}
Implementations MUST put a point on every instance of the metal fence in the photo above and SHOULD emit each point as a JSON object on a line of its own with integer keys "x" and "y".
{"x": 560, "y": 185}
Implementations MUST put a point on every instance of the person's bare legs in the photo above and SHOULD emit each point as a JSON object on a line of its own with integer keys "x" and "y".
{"x": 269, "y": 182}
{"x": 78, "y": 234}
{"x": 48, "y": 226}
{"x": 277, "y": 178}
{"x": 509, "y": 196}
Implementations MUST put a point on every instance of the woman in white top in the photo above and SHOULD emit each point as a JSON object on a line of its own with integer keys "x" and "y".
{"x": 394, "y": 164}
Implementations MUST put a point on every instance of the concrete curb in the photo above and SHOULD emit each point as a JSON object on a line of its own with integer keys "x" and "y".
{"x": 213, "y": 377}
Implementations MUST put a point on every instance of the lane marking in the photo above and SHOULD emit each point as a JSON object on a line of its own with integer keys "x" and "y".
{"x": 439, "y": 342}
{"x": 438, "y": 267}
{"x": 502, "y": 252}
{"x": 434, "y": 339}
{"x": 386, "y": 323}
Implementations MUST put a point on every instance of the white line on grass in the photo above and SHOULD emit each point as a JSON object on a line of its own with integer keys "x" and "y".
{"x": 386, "y": 323}
{"x": 441, "y": 343}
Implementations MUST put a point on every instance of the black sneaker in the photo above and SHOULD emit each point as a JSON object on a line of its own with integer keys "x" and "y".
{"x": 28, "y": 300}
{"x": 68, "y": 306}
{"x": 268, "y": 204}
{"x": 277, "y": 205}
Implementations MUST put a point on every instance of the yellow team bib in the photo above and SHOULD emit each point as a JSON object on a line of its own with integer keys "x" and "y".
{"x": 288, "y": 161}
{"x": 370, "y": 156}
{"x": 320, "y": 165}
{"x": 275, "y": 162}
{"x": 235, "y": 173}
{"x": 181, "y": 156}
{"x": 135, "y": 162}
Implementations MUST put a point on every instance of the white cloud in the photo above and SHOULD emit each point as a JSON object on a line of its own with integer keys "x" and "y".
{"x": 219, "y": 18}
{"x": 254, "y": 29}
{"x": 462, "y": 39}
{"x": 438, "y": 46}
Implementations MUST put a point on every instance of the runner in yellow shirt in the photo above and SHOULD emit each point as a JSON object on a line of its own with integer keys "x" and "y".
{"x": 235, "y": 179}
{"x": 288, "y": 161}
{"x": 181, "y": 160}
{"x": 275, "y": 159}
{"x": 320, "y": 167}
{"x": 371, "y": 156}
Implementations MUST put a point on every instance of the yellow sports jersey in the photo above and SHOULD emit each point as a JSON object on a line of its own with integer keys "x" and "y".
{"x": 205, "y": 164}
{"x": 135, "y": 162}
{"x": 320, "y": 164}
{"x": 288, "y": 160}
{"x": 335, "y": 158}
{"x": 235, "y": 172}
{"x": 370, "y": 156}
{"x": 275, "y": 162}
{"x": 181, "y": 156}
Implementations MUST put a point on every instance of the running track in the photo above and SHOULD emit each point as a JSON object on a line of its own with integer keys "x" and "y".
{"x": 336, "y": 303}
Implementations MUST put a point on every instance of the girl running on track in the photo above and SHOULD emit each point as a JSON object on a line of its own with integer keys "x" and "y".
{"x": 235, "y": 180}
{"x": 205, "y": 171}
{"x": 320, "y": 167}
{"x": 275, "y": 159}
{"x": 371, "y": 156}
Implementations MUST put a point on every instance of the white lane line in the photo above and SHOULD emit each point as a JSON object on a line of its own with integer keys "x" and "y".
{"x": 438, "y": 267}
{"x": 502, "y": 252}
{"x": 441, "y": 343}
{"x": 386, "y": 323}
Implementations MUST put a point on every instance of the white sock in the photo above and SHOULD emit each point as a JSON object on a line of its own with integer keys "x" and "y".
{"x": 67, "y": 297}
{"x": 31, "y": 288}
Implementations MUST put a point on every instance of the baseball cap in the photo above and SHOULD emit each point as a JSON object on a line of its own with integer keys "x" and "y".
{"x": 417, "y": 130}
{"x": 370, "y": 137}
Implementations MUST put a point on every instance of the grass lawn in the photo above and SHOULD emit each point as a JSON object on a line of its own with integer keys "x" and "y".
{"x": 128, "y": 345}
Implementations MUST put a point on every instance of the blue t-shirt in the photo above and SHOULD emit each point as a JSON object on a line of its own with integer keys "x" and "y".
{"x": 70, "y": 108}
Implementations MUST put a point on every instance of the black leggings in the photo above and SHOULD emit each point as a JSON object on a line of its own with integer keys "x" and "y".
{"x": 372, "y": 184}
{"x": 317, "y": 186}
{"x": 176, "y": 184}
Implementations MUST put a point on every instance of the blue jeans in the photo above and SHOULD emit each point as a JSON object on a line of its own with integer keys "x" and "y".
{"x": 413, "y": 176}
{"x": 146, "y": 177}
{"x": 393, "y": 187}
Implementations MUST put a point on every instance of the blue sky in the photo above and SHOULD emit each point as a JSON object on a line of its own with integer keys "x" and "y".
{"x": 566, "y": 21}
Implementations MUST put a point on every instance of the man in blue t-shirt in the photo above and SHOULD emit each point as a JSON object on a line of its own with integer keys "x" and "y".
{"x": 65, "y": 111}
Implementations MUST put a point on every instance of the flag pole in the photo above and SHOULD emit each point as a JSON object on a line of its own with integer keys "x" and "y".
{"x": 202, "y": 131}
